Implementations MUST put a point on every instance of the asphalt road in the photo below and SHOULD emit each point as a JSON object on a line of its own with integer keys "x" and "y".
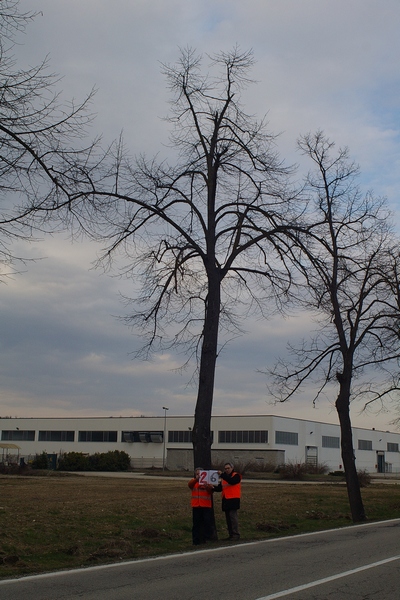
{"x": 354, "y": 563}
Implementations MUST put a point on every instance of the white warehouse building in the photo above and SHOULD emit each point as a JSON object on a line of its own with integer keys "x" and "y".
{"x": 166, "y": 441}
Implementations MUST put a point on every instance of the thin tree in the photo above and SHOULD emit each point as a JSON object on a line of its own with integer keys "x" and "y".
{"x": 345, "y": 258}
{"x": 37, "y": 138}
{"x": 204, "y": 239}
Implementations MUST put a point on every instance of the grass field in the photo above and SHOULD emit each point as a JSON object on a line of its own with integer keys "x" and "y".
{"x": 54, "y": 522}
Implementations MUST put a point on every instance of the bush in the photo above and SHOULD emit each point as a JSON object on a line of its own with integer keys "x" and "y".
{"x": 41, "y": 461}
{"x": 364, "y": 478}
{"x": 256, "y": 466}
{"x": 297, "y": 471}
{"x": 73, "y": 461}
{"x": 110, "y": 461}
{"x": 293, "y": 470}
{"x": 251, "y": 466}
{"x": 13, "y": 469}
{"x": 318, "y": 469}
{"x": 107, "y": 461}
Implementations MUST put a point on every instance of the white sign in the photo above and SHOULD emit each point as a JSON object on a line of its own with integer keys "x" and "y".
{"x": 210, "y": 477}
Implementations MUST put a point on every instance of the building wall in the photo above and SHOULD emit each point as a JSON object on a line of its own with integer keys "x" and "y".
{"x": 236, "y": 438}
{"x": 143, "y": 455}
{"x": 182, "y": 459}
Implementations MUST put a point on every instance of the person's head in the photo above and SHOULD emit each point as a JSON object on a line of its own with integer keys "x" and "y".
{"x": 228, "y": 468}
{"x": 197, "y": 471}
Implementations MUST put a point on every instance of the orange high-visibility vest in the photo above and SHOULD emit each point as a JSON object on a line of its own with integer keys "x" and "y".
{"x": 201, "y": 498}
{"x": 231, "y": 491}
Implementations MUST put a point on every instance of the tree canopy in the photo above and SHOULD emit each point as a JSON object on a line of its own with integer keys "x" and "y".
{"x": 38, "y": 139}
{"x": 205, "y": 239}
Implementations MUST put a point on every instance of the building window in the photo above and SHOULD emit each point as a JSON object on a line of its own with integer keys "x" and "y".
{"x": 364, "y": 444}
{"x": 142, "y": 436}
{"x": 183, "y": 437}
{"x": 56, "y": 436}
{"x": 97, "y": 436}
{"x": 391, "y": 447}
{"x": 287, "y": 437}
{"x": 243, "y": 437}
{"x": 180, "y": 437}
{"x": 330, "y": 441}
{"x": 16, "y": 435}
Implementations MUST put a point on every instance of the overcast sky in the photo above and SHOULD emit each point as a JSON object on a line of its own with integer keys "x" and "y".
{"x": 321, "y": 64}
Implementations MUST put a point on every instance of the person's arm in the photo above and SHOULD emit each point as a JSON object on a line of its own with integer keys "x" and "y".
{"x": 192, "y": 483}
{"x": 231, "y": 479}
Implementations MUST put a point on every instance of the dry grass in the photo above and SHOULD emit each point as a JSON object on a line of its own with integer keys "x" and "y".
{"x": 55, "y": 522}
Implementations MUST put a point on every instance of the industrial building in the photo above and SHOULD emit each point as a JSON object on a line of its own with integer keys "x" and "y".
{"x": 166, "y": 441}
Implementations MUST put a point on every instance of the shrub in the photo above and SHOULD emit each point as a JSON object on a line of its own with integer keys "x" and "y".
{"x": 318, "y": 469}
{"x": 364, "y": 478}
{"x": 13, "y": 469}
{"x": 41, "y": 461}
{"x": 115, "y": 460}
{"x": 251, "y": 466}
{"x": 293, "y": 470}
{"x": 256, "y": 466}
{"x": 106, "y": 461}
{"x": 73, "y": 461}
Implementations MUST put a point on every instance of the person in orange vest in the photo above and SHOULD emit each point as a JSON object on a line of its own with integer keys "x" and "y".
{"x": 230, "y": 486}
{"x": 202, "y": 513}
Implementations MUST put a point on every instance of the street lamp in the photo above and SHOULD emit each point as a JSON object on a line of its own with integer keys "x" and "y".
{"x": 165, "y": 408}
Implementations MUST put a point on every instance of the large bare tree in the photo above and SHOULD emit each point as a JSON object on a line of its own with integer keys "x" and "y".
{"x": 203, "y": 237}
{"x": 38, "y": 136}
{"x": 347, "y": 255}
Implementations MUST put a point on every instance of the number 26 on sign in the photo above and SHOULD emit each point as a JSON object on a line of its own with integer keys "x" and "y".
{"x": 210, "y": 477}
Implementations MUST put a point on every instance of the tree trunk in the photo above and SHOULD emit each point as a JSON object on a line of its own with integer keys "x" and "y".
{"x": 201, "y": 430}
{"x": 201, "y": 436}
{"x": 349, "y": 462}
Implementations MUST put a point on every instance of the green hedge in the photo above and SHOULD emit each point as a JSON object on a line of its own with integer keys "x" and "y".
{"x": 115, "y": 460}
{"x": 41, "y": 461}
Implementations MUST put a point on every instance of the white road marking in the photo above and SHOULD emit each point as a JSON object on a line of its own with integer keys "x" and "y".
{"x": 164, "y": 557}
{"x": 306, "y": 586}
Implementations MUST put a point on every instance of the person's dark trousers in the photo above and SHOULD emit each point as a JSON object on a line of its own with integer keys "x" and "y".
{"x": 232, "y": 523}
{"x": 202, "y": 525}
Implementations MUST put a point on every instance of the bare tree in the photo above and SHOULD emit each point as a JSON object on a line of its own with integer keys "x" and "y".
{"x": 346, "y": 256}
{"x": 37, "y": 137}
{"x": 387, "y": 351}
{"x": 205, "y": 239}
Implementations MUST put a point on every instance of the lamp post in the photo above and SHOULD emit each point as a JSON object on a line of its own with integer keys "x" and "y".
{"x": 165, "y": 408}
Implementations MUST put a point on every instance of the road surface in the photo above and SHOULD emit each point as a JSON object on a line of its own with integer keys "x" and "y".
{"x": 355, "y": 563}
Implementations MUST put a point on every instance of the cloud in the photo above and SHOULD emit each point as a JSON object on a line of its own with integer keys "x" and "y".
{"x": 329, "y": 65}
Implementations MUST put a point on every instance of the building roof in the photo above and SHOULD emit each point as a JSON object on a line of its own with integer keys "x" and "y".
{"x": 8, "y": 446}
